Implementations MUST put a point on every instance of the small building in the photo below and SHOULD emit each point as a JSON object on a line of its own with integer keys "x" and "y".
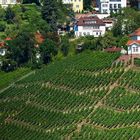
{"x": 77, "y": 5}
{"x": 134, "y": 43}
{"x": 108, "y": 23}
{"x": 133, "y": 47}
{"x": 5, "y": 3}
{"x": 89, "y": 25}
{"x": 108, "y": 6}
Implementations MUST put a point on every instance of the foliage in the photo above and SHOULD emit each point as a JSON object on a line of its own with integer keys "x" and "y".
{"x": 127, "y": 22}
{"x": 87, "y": 4}
{"x": 65, "y": 44}
{"x": 50, "y": 103}
{"x": 48, "y": 49}
{"x": 21, "y": 49}
{"x": 9, "y": 15}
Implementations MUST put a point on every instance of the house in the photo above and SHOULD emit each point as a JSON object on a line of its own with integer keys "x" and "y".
{"x": 133, "y": 47}
{"x": 134, "y": 43}
{"x": 89, "y": 25}
{"x": 108, "y": 6}
{"x": 108, "y": 23}
{"x": 5, "y": 3}
{"x": 77, "y": 5}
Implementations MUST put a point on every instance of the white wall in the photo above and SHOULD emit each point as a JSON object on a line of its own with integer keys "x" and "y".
{"x": 4, "y": 3}
{"x": 2, "y": 52}
{"x": 101, "y": 16}
{"x": 114, "y": 3}
{"x": 131, "y": 49}
{"x": 82, "y": 31}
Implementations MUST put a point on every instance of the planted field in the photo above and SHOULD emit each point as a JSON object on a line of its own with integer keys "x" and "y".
{"x": 82, "y": 97}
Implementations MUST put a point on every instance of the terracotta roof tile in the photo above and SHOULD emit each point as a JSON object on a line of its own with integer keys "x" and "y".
{"x": 136, "y": 33}
{"x": 90, "y": 21}
{"x": 39, "y": 38}
{"x": 130, "y": 42}
{"x": 8, "y": 38}
{"x": 113, "y": 49}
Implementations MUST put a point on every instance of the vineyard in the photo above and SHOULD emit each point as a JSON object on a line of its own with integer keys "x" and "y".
{"x": 84, "y": 97}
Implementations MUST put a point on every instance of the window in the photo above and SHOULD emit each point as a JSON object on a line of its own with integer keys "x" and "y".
{"x": 104, "y": 5}
{"x": 135, "y": 49}
{"x": 110, "y": 6}
{"x": 119, "y": 5}
{"x": 84, "y": 33}
{"x": 115, "y": 6}
{"x": 77, "y": 6}
{"x": 4, "y": 1}
{"x": 80, "y": 33}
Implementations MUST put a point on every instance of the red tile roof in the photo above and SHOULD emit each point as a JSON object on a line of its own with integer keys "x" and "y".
{"x": 113, "y": 49}
{"x": 136, "y": 33}
{"x": 8, "y": 38}
{"x": 90, "y": 21}
{"x": 39, "y": 38}
{"x": 130, "y": 42}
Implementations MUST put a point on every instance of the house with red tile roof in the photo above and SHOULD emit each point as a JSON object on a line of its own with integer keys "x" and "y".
{"x": 89, "y": 25}
{"x": 135, "y": 35}
{"x": 134, "y": 43}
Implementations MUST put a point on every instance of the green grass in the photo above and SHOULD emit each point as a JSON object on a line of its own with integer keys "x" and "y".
{"x": 8, "y": 78}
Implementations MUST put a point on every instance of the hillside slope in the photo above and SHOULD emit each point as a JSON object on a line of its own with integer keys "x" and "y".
{"x": 84, "y": 97}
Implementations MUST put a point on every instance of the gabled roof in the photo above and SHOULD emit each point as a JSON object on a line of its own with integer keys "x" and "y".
{"x": 135, "y": 33}
{"x": 90, "y": 21}
{"x": 130, "y": 42}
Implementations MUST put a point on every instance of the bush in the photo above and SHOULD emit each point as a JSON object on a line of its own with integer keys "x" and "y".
{"x": 2, "y": 26}
{"x": 137, "y": 61}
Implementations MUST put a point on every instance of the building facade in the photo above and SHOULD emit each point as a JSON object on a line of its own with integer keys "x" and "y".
{"x": 108, "y": 6}
{"x": 91, "y": 25}
{"x": 134, "y": 43}
{"x": 5, "y": 3}
{"x": 77, "y": 5}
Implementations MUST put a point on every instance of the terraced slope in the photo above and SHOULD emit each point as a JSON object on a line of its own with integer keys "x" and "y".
{"x": 84, "y": 97}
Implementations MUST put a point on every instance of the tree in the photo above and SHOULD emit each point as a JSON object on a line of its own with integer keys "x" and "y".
{"x": 87, "y": 4}
{"x": 21, "y": 49}
{"x": 9, "y": 15}
{"x": 49, "y": 13}
{"x": 65, "y": 44}
{"x": 108, "y": 40}
{"x": 48, "y": 49}
{"x": 31, "y": 1}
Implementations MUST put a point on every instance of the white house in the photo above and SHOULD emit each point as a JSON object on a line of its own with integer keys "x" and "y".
{"x": 134, "y": 43}
{"x": 89, "y": 25}
{"x": 133, "y": 47}
{"x": 108, "y": 6}
{"x": 5, "y": 3}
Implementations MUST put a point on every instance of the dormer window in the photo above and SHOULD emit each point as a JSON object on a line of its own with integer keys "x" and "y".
{"x": 90, "y": 22}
